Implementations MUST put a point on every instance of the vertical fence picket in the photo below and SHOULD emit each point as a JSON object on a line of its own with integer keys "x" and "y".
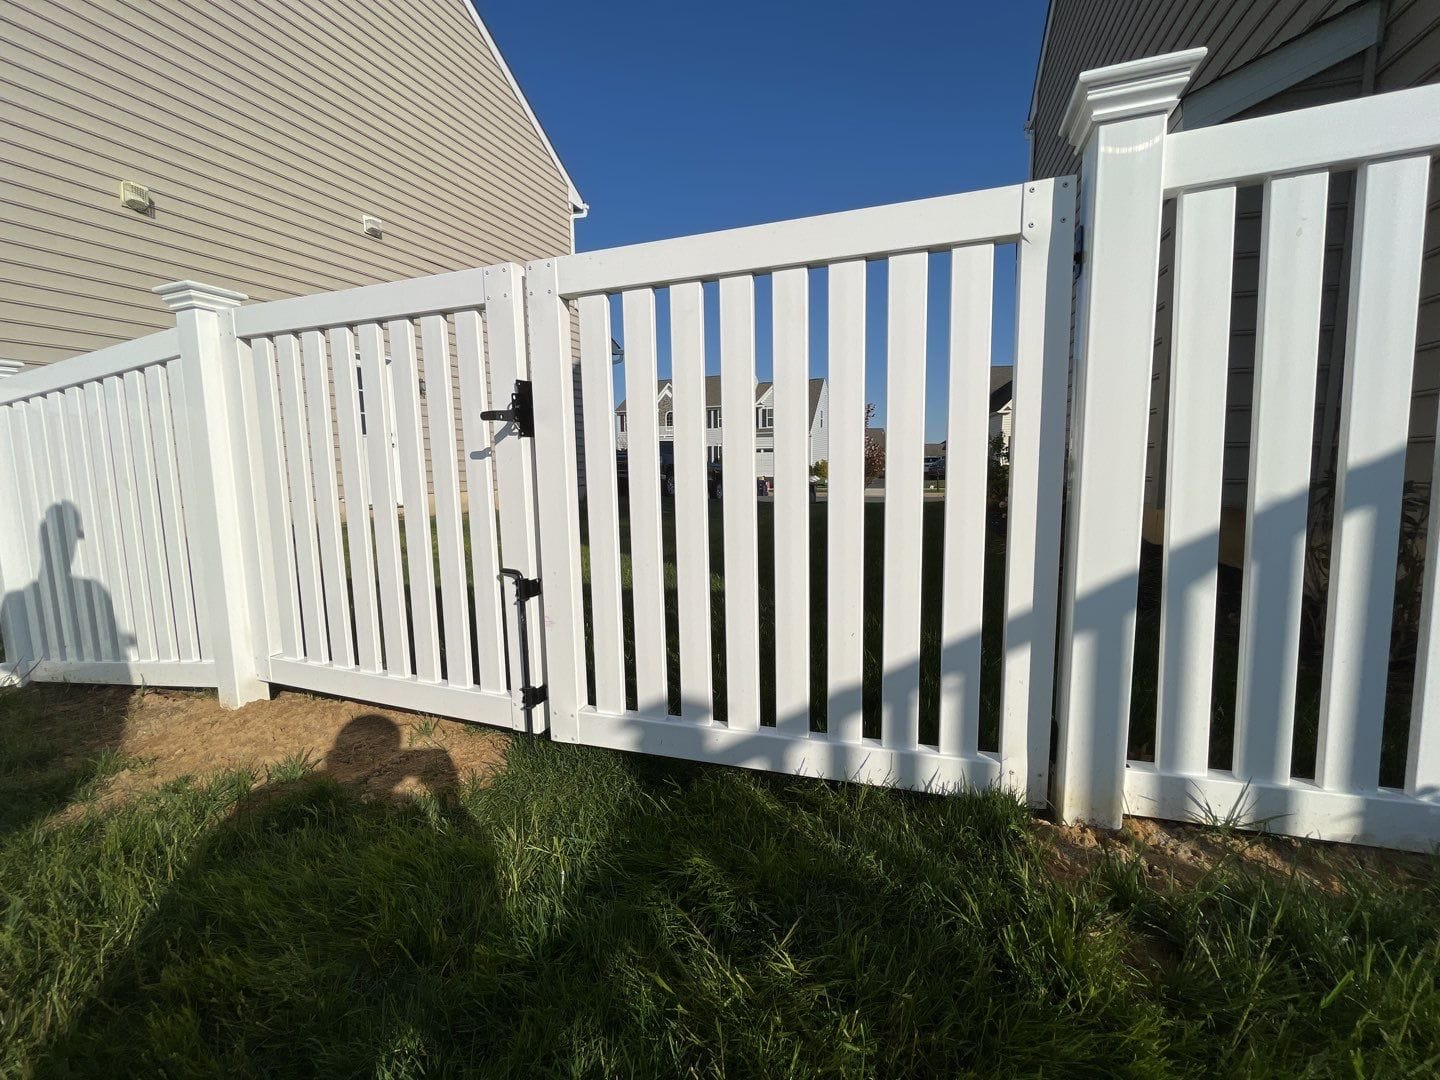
{"x": 107, "y": 512}
{"x": 380, "y": 467}
{"x": 792, "y": 500}
{"x": 904, "y": 500}
{"x": 419, "y": 552}
{"x": 692, "y": 509}
{"x": 302, "y": 499}
{"x": 845, "y": 506}
{"x": 54, "y": 565}
{"x": 22, "y": 556}
{"x": 601, "y": 503}
{"x": 1277, "y": 498}
{"x": 742, "y": 571}
{"x": 972, "y": 271}
{"x": 90, "y": 561}
{"x": 142, "y": 451}
{"x": 334, "y": 583}
{"x": 450, "y": 540}
{"x": 68, "y": 520}
{"x": 646, "y": 550}
{"x": 1200, "y": 345}
{"x": 1389, "y": 246}
{"x": 177, "y": 554}
{"x": 128, "y": 498}
{"x": 480, "y": 498}
{"x": 289, "y": 638}
{"x": 353, "y": 476}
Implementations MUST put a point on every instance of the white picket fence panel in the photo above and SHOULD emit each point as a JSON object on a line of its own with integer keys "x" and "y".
{"x": 303, "y": 492}
{"x": 96, "y": 564}
{"x": 640, "y": 713}
{"x": 1132, "y": 163}
{"x": 379, "y": 577}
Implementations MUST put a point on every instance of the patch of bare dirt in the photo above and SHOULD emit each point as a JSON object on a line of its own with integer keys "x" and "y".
{"x": 1174, "y": 854}
{"x": 167, "y": 734}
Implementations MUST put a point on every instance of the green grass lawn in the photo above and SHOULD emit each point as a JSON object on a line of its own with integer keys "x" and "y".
{"x": 596, "y": 914}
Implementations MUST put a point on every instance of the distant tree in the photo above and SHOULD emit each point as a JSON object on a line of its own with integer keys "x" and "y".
{"x": 820, "y": 470}
{"x": 874, "y": 450}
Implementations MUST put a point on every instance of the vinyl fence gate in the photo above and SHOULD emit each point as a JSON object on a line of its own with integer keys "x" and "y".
{"x": 337, "y": 493}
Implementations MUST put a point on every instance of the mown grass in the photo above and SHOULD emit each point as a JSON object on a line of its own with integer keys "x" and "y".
{"x": 594, "y": 914}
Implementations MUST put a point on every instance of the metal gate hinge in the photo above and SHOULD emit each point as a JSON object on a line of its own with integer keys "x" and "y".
{"x": 521, "y": 412}
{"x": 525, "y": 589}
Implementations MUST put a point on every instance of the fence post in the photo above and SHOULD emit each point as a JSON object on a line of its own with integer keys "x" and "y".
{"x": 1117, "y": 120}
{"x": 217, "y": 523}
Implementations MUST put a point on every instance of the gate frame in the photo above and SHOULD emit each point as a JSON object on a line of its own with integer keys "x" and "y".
{"x": 1038, "y": 217}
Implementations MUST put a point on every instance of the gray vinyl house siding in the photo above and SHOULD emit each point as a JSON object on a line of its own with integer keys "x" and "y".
{"x": 264, "y": 131}
{"x": 1409, "y": 55}
{"x": 1083, "y": 35}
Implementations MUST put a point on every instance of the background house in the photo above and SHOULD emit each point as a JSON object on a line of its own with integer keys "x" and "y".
{"x": 1263, "y": 58}
{"x": 763, "y": 419}
{"x": 1002, "y": 402}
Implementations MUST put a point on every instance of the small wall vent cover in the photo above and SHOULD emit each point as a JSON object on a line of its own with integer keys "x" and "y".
{"x": 134, "y": 196}
{"x": 373, "y": 226}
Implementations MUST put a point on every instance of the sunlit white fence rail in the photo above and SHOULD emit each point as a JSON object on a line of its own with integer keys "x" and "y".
{"x": 306, "y": 493}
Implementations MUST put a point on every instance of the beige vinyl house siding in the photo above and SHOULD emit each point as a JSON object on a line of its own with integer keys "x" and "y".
{"x": 264, "y": 132}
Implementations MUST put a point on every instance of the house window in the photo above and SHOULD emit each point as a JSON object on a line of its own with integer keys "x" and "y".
{"x": 712, "y": 418}
{"x": 669, "y": 419}
{"x": 622, "y": 421}
{"x": 765, "y": 418}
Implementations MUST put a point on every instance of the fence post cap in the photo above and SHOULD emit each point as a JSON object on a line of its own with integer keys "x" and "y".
{"x": 1147, "y": 87}
{"x": 187, "y": 295}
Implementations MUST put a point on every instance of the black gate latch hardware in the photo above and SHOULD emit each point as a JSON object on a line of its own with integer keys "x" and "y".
{"x": 521, "y": 412}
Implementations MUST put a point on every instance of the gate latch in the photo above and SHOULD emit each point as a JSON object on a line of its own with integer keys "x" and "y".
{"x": 521, "y": 412}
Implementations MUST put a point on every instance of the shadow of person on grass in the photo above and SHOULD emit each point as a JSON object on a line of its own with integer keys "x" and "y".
{"x": 50, "y": 754}
{"x": 292, "y": 874}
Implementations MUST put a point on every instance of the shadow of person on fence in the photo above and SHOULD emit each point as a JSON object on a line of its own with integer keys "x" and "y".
{"x": 57, "y": 616}
{"x": 326, "y": 880}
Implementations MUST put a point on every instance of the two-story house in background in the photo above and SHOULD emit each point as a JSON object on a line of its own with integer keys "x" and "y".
{"x": 763, "y": 418}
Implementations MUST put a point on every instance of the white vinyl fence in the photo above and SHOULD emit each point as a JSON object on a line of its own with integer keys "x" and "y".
{"x": 98, "y": 575}
{"x": 812, "y": 261}
{"x": 306, "y": 493}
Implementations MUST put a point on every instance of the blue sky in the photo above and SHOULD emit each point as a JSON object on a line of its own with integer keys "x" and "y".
{"x": 674, "y": 119}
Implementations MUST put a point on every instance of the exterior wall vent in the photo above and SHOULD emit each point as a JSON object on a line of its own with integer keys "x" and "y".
{"x": 373, "y": 226}
{"x": 134, "y": 196}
